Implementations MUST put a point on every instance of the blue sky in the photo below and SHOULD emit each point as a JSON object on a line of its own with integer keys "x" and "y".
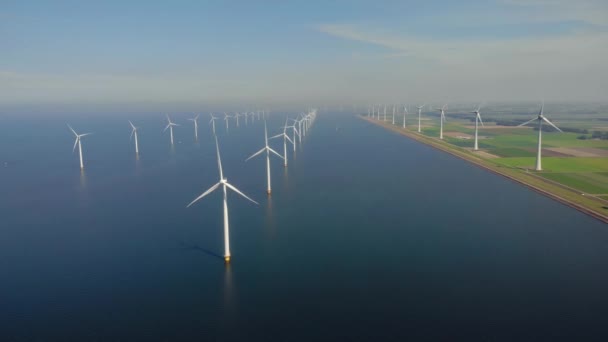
{"x": 193, "y": 53}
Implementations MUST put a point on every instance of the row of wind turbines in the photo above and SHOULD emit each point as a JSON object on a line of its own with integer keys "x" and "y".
{"x": 304, "y": 124}
{"x": 298, "y": 127}
{"x": 374, "y": 112}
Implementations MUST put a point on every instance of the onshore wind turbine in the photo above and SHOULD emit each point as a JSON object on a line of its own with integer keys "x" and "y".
{"x": 268, "y": 150}
{"x": 419, "y": 112}
{"x": 224, "y": 183}
{"x": 540, "y": 119}
{"x": 441, "y": 120}
{"x": 285, "y": 139}
{"x": 134, "y": 133}
{"x": 477, "y": 121}
{"x": 170, "y": 127}
{"x": 404, "y": 115}
{"x": 77, "y": 142}
{"x": 195, "y": 120}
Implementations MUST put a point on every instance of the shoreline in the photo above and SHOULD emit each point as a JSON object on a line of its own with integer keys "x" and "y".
{"x": 517, "y": 176}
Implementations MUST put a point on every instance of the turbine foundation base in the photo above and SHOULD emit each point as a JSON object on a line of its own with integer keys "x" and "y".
{"x": 227, "y": 259}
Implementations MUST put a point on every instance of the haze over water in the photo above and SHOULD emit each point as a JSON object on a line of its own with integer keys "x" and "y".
{"x": 368, "y": 235}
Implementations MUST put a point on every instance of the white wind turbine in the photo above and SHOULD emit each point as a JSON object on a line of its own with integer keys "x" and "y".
{"x": 170, "y": 127}
{"x": 134, "y": 133}
{"x": 224, "y": 184}
{"x": 384, "y": 113}
{"x": 295, "y": 132}
{"x": 404, "y": 115}
{"x": 226, "y": 118}
{"x": 212, "y": 122}
{"x": 77, "y": 142}
{"x": 285, "y": 139}
{"x": 195, "y": 120}
{"x": 477, "y": 121}
{"x": 268, "y": 150}
{"x": 441, "y": 120}
{"x": 540, "y": 118}
{"x": 237, "y": 118}
{"x": 393, "y": 114}
{"x": 419, "y": 113}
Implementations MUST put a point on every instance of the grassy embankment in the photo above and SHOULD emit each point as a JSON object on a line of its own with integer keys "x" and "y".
{"x": 576, "y": 181}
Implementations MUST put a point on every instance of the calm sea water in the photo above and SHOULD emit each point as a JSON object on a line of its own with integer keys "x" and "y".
{"x": 367, "y": 236}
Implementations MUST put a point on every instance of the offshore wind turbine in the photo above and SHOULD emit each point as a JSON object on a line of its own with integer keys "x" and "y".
{"x": 170, "y": 127}
{"x": 268, "y": 150}
{"x": 225, "y": 186}
{"x": 419, "y": 113}
{"x": 77, "y": 142}
{"x": 226, "y": 118}
{"x": 441, "y": 120}
{"x": 212, "y": 122}
{"x": 540, "y": 118}
{"x": 237, "y": 118}
{"x": 285, "y": 139}
{"x": 295, "y": 131}
{"x": 477, "y": 121}
{"x": 195, "y": 120}
{"x": 134, "y": 134}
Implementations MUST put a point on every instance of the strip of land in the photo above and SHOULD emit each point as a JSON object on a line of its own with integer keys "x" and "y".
{"x": 590, "y": 205}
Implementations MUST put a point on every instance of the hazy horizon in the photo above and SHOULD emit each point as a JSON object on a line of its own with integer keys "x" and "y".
{"x": 186, "y": 55}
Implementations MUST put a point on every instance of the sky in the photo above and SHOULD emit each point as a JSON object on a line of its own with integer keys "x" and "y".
{"x": 190, "y": 54}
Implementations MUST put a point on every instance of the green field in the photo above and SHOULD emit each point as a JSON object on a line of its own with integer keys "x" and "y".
{"x": 514, "y": 149}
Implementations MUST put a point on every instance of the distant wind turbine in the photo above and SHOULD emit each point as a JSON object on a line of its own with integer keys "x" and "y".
{"x": 540, "y": 118}
{"x": 170, "y": 127}
{"x": 268, "y": 150}
{"x": 477, "y": 121}
{"x": 285, "y": 139}
{"x": 134, "y": 134}
{"x": 441, "y": 120}
{"x": 195, "y": 120}
{"x": 419, "y": 112}
{"x": 226, "y": 118}
{"x": 225, "y": 185}
{"x": 212, "y": 122}
{"x": 295, "y": 131}
{"x": 393, "y": 114}
{"x": 77, "y": 142}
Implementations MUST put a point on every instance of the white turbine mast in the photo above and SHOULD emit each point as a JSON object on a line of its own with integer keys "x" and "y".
{"x": 225, "y": 186}
{"x": 441, "y": 120}
{"x": 540, "y": 118}
{"x": 170, "y": 127}
{"x": 477, "y": 121}
{"x": 268, "y": 150}
{"x": 195, "y": 120}
{"x": 419, "y": 113}
{"x": 285, "y": 140}
{"x": 77, "y": 142}
{"x": 134, "y": 134}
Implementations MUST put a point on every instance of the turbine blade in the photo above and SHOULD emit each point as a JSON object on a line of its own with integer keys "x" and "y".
{"x": 479, "y": 116}
{"x": 204, "y": 194}
{"x": 550, "y": 123}
{"x": 240, "y": 193}
{"x": 273, "y": 151}
{"x": 219, "y": 160}
{"x": 527, "y": 122}
{"x": 288, "y": 139}
{"x": 132, "y": 132}
{"x": 75, "y": 143}
{"x": 277, "y": 136}
{"x": 169, "y": 125}
{"x": 73, "y": 131}
{"x": 84, "y": 135}
{"x": 132, "y": 126}
{"x": 257, "y": 153}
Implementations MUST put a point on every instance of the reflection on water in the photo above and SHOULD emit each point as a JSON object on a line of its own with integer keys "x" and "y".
{"x": 83, "y": 180}
{"x": 269, "y": 219}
